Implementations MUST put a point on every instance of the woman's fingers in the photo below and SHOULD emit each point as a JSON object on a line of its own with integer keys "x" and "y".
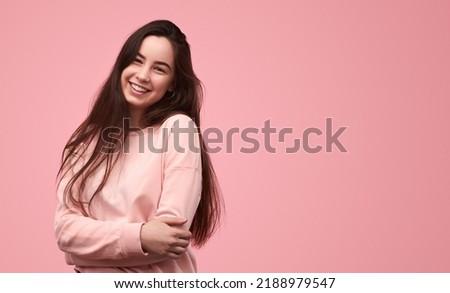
{"x": 174, "y": 255}
{"x": 160, "y": 237}
{"x": 183, "y": 234}
{"x": 172, "y": 221}
{"x": 182, "y": 243}
{"x": 177, "y": 250}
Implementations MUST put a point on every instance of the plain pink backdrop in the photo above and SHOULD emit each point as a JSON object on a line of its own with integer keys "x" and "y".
{"x": 381, "y": 68}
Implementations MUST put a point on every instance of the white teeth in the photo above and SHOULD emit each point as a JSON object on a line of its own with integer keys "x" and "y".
{"x": 138, "y": 88}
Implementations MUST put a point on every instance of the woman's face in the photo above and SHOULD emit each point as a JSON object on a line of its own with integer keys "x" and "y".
{"x": 146, "y": 80}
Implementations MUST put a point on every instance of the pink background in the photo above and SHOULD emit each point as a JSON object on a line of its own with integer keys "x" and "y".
{"x": 382, "y": 68}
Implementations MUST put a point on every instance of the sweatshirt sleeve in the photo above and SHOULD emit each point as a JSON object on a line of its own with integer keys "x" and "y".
{"x": 182, "y": 171}
{"x": 87, "y": 240}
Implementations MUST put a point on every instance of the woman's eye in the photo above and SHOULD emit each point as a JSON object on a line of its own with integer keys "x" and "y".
{"x": 138, "y": 61}
{"x": 159, "y": 69}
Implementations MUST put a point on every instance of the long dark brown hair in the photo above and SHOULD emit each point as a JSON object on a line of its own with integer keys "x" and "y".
{"x": 108, "y": 113}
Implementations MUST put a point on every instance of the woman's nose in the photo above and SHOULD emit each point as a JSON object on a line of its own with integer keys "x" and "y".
{"x": 143, "y": 75}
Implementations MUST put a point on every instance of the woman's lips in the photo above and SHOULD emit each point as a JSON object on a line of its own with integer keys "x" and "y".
{"x": 138, "y": 89}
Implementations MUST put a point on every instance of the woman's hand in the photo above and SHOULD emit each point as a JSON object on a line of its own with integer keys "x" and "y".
{"x": 165, "y": 237}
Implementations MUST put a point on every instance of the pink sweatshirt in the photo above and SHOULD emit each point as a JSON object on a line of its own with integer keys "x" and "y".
{"x": 145, "y": 184}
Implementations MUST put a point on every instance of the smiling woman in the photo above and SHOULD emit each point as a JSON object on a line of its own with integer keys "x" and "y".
{"x": 149, "y": 76}
{"x": 139, "y": 211}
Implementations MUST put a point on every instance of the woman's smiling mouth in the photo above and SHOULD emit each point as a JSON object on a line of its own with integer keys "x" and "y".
{"x": 139, "y": 89}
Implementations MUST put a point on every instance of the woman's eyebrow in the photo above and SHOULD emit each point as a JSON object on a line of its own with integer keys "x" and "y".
{"x": 156, "y": 62}
{"x": 164, "y": 64}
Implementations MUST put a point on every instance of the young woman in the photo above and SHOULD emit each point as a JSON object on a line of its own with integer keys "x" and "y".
{"x": 136, "y": 185}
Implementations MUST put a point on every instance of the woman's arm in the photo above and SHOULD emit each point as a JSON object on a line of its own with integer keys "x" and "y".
{"x": 86, "y": 238}
{"x": 90, "y": 242}
{"x": 182, "y": 173}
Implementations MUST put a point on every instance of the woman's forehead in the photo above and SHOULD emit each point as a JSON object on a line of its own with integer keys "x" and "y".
{"x": 154, "y": 48}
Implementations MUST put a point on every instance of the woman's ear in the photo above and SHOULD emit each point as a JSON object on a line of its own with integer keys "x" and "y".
{"x": 171, "y": 87}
